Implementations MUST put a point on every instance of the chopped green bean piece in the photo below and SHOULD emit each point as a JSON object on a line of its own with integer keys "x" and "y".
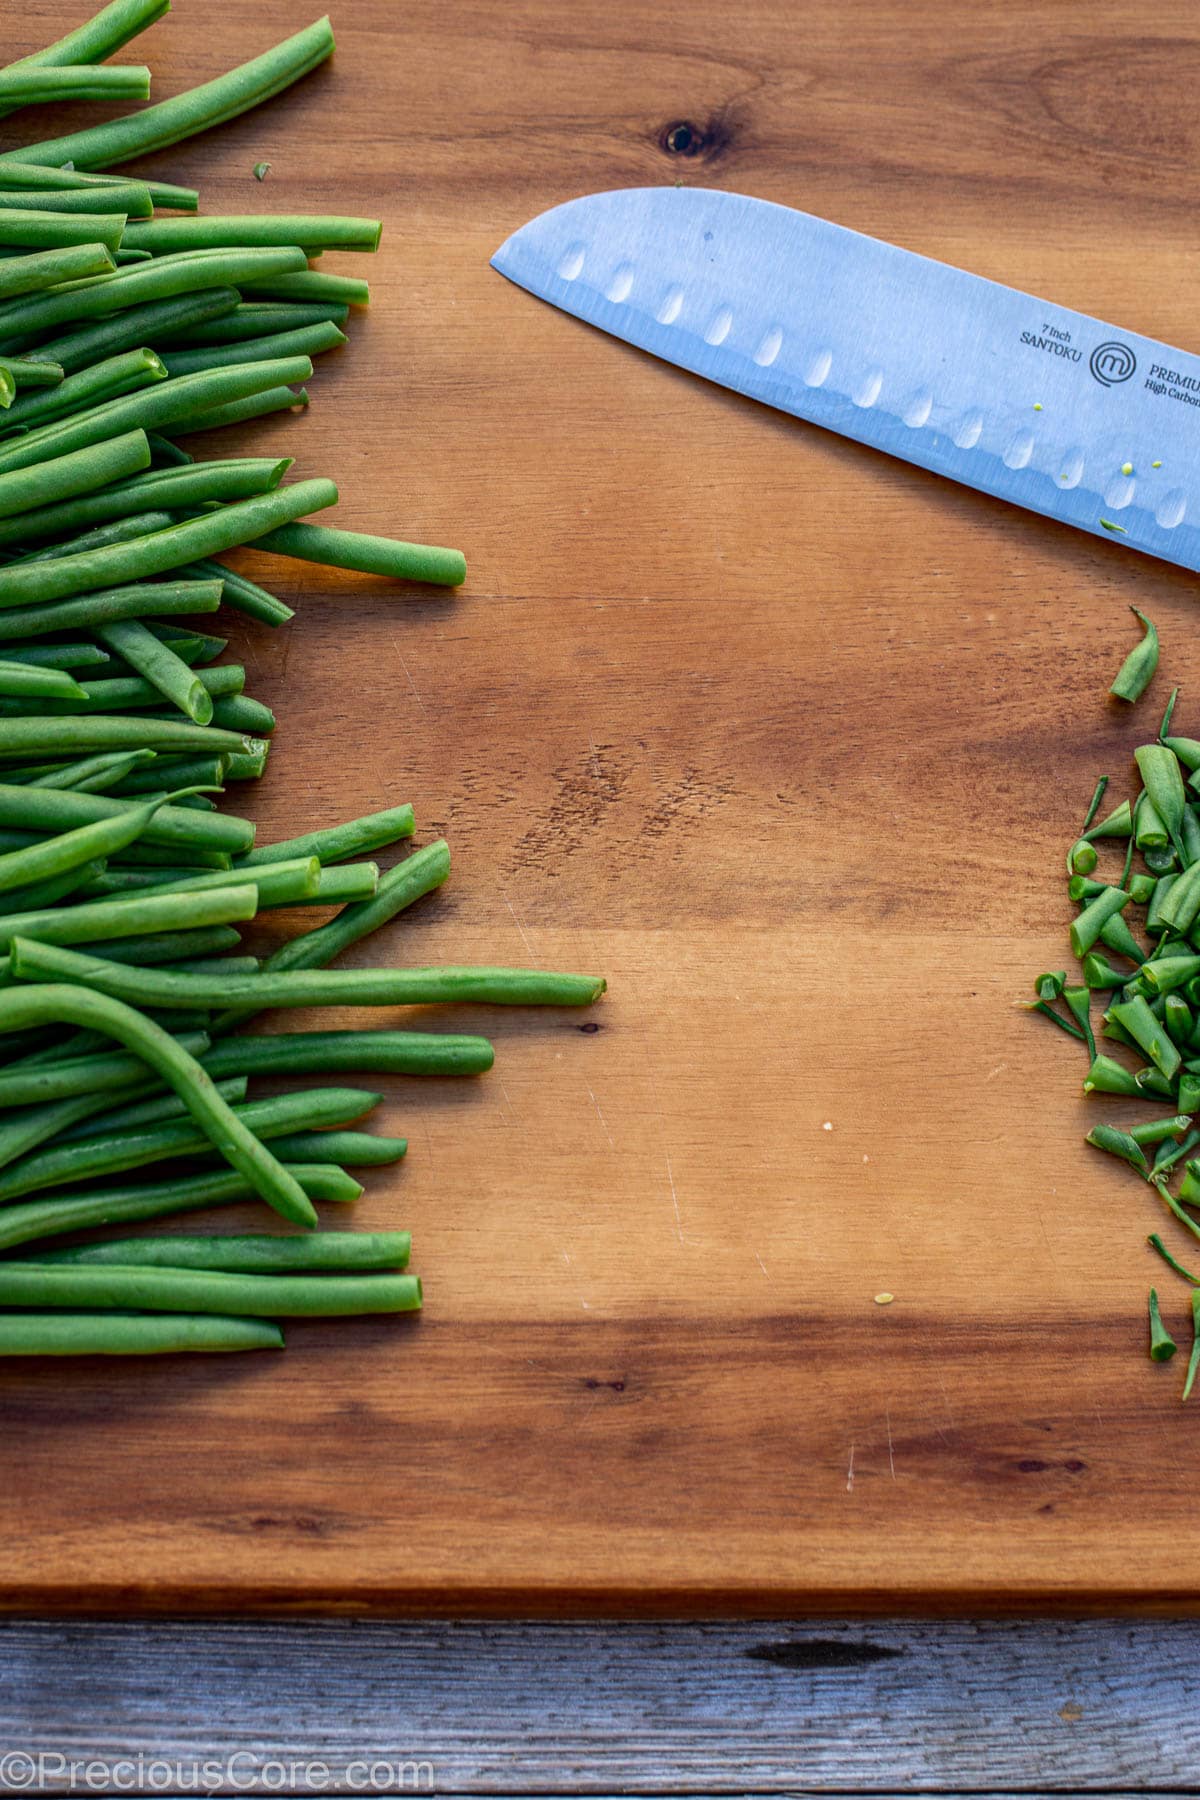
{"x": 1137, "y": 671}
{"x": 1162, "y": 1344}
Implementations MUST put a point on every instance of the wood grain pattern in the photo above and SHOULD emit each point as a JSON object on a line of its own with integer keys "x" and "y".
{"x": 784, "y": 738}
{"x": 893, "y": 1706}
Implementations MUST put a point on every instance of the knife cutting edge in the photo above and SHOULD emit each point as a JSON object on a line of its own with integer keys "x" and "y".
{"x": 1019, "y": 397}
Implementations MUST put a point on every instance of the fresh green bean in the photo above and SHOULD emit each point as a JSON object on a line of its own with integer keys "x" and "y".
{"x": 162, "y": 598}
{"x": 199, "y": 109}
{"x": 257, "y": 1255}
{"x": 307, "y": 285}
{"x": 58, "y": 656}
{"x": 168, "y": 946}
{"x": 167, "y": 403}
{"x": 1119, "y": 1143}
{"x": 99, "y": 37}
{"x": 1166, "y": 973}
{"x": 371, "y": 555}
{"x": 1133, "y": 1015}
{"x": 124, "y": 374}
{"x": 116, "y": 531}
{"x": 165, "y": 278}
{"x": 335, "y": 843}
{"x": 250, "y": 1128}
{"x": 54, "y": 1214}
{"x": 233, "y": 479}
{"x": 92, "y": 921}
{"x": 160, "y": 667}
{"x": 187, "y": 771}
{"x": 254, "y": 321}
{"x": 350, "y": 987}
{"x": 131, "y": 1334}
{"x": 339, "y": 1052}
{"x": 1086, "y": 928}
{"x": 134, "y": 326}
{"x": 228, "y": 1130}
{"x": 129, "y": 200}
{"x": 129, "y": 693}
{"x": 25, "y": 275}
{"x": 1162, "y": 1344}
{"x": 105, "y": 731}
{"x": 1156, "y": 1242}
{"x": 277, "y": 884}
{"x": 109, "y": 1072}
{"x": 100, "y": 774}
{"x": 35, "y": 896}
{"x": 37, "y": 584}
{"x": 308, "y": 340}
{"x": 14, "y": 174}
{"x": 76, "y": 473}
{"x": 58, "y": 230}
{"x": 236, "y": 591}
{"x": 21, "y": 85}
{"x": 62, "y": 809}
{"x": 1137, "y": 671}
{"x": 1194, "y": 1358}
{"x": 202, "y": 1291}
{"x": 239, "y": 412}
{"x": 97, "y": 837}
{"x": 153, "y": 1110}
{"x": 17, "y": 679}
{"x": 24, "y": 373}
{"x": 1155, "y": 1131}
{"x": 315, "y": 231}
{"x": 358, "y": 1149}
{"x": 242, "y": 713}
{"x": 1163, "y": 780}
{"x": 247, "y": 767}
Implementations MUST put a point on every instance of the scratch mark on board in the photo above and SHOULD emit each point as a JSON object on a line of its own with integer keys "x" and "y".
{"x": 850, "y": 1473}
{"x": 674, "y": 1195}
{"x": 601, "y": 1117}
{"x": 521, "y": 929}
{"x": 891, "y": 1456}
{"x": 407, "y": 676}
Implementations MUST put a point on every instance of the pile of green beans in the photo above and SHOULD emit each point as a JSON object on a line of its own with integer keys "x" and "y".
{"x": 1148, "y": 985}
{"x": 130, "y": 321}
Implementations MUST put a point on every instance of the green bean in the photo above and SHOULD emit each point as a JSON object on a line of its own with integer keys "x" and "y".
{"x": 218, "y": 1123}
{"x": 168, "y": 946}
{"x": 58, "y": 230}
{"x": 129, "y": 200}
{"x": 236, "y": 591}
{"x": 257, "y": 1255}
{"x": 137, "y": 325}
{"x": 24, "y": 1129}
{"x": 1189, "y": 1092}
{"x": 202, "y": 1291}
{"x": 160, "y": 667}
{"x": 197, "y": 110}
{"x": 371, "y": 555}
{"x": 124, "y": 374}
{"x": 254, "y": 321}
{"x": 167, "y": 403}
{"x": 239, "y": 412}
{"x": 1082, "y": 858}
{"x": 129, "y": 693}
{"x": 1156, "y": 1242}
{"x": 92, "y": 921}
{"x": 151, "y": 1111}
{"x": 361, "y": 1149}
{"x": 308, "y": 340}
{"x": 24, "y": 275}
{"x": 1186, "y": 749}
{"x": 1141, "y": 889}
{"x": 334, "y": 1052}
{"x": 341, "y": 987}
{"x": 39, "y": 175}
{"x": 35, "y": 896}
{"x": 105, "y": 731}
{"x": 73, "y": 474}
{"x": 58, "y": 656}
{"x": 277, "y": 884}
{"x": 99, "y": 836}
{"x": 1134, "y": 1015}
{"x": 1155, "y": 1131}
{"x": 109, "y": 1072}
{"x": 249, "y": 1129}
{"x": 1162, "y": 1344}
{"x": 1087, "y": 927}
{"x": 307, "y": 285}
{"x": 240, "y": 712}
{"x": 1137, "y": 671}
{"x": 1194, "y": 1358}
{"x": 165, "y": 278}
{"x": 100, "y": 774}
{"x": 234, "y": 479}
{"x": 407, "y": 882}
{"x": 1160, "y": 772}
{"x": 20, "y": 679}
{"x": 28, "y": 374}
{"x": 1119, "y": 1143}
{"x": 131, "y": 1334}
{"x": 1166, "y": 973}
{"x": 21, "y": 85}
{"x": 335, "y": 843}
{"x": 1168, "y": 1154}
{"x": 61, "y": 809}
{"x": 315, "y": 231}
{"x": 247, "y": 767}
{"x": 188, "y": 771}
{"x": 26, "y": 584}
{"x": 1177, "y": 1017}
{"x": 194, "y": 646}
{"x": 116, "y": 531}
{"x": 99, "y": 38}
{"x": 54, "y": 1214}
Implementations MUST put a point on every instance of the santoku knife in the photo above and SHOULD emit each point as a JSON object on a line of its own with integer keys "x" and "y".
{"x": 1020, "y": 397}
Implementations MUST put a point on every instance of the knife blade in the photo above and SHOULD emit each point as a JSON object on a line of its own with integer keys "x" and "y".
{"x": 1019, "y": 397}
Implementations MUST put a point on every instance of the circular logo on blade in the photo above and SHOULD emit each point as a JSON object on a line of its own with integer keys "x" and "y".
{"x": 1111, "y": 363}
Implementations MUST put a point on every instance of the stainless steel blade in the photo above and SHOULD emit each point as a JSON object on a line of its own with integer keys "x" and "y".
{"x": 1019, "y": 397}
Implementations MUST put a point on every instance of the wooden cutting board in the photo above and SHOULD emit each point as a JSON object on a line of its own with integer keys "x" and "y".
{"x": 784, "y": 738}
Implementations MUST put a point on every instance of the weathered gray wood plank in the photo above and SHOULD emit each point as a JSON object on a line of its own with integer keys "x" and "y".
{"x": 606, "y": 1709}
